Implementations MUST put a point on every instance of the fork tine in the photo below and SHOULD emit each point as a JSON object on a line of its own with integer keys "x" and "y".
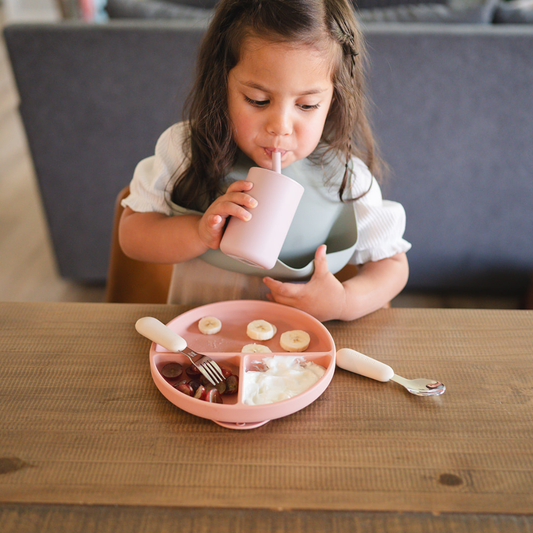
{"x": 209, "y": 367}
{"x": 201, "y": 366}
{"x": 217, "y": 372}
{"x": 210, "y": 370}
{"x": 214, "y": 378}
{"x": 205, "y": 371}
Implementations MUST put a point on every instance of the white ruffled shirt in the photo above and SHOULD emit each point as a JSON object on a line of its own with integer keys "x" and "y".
{"x": 380, "y": 224}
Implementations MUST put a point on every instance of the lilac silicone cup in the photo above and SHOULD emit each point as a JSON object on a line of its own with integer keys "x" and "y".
{"x": 258, "y": 241}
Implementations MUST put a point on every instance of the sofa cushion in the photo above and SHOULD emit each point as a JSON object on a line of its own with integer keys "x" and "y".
{"x": 156, "y": 9}
{"x": 453, "y": 11}
{"x": 515, "y": 12}
{"x": 203, "y": 4}
{"x": 430, "y": 11}
{"x": 381, "y": 4}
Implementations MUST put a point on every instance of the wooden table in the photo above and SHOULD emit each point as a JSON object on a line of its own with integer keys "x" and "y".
{"x": 88, "y": 444}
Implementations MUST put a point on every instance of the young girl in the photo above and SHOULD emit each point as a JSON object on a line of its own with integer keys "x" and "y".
{"x": 273, "y": 76}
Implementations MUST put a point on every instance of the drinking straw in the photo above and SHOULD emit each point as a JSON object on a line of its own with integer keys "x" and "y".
{"x": 276, "y": 162}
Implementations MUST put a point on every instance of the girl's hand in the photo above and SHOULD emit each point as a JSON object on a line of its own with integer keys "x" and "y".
{"x": 232, "y": 203}
{"x": 326, "y": 298}
{"x": 323, "y": 296}
{"x": 159, "y": 238}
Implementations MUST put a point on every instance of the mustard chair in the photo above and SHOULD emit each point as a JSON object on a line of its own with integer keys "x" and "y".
{"x": 131, "y": 281}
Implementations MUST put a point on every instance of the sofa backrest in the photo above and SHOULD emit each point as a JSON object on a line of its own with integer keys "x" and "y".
{"x": 94, "y": 100}
{"x": 454, "y": 113}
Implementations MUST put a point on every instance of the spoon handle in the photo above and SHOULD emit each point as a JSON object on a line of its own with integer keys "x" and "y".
{"x": 362, "y": 364}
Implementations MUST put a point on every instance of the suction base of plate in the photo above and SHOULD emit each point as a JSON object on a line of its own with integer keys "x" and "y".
{"x": 241, "y": 425}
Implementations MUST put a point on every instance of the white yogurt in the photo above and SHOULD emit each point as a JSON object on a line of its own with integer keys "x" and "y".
{"x": 285, "y": 376}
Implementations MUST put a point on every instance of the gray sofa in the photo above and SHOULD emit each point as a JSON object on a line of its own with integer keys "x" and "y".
{"x": 453, "y": 111}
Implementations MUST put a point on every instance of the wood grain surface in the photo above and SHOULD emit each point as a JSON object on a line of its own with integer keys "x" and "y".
{"x": 86, "y": 436}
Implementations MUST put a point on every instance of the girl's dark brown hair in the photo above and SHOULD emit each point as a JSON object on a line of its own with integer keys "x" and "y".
{"x": 326, "y": 24}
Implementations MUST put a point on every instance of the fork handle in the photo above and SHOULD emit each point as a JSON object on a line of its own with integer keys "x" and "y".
{"x": 362, "y": 364}
{"x": 156, "y": 331}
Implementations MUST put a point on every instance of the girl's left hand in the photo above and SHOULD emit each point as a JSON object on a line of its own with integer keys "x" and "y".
{"x": 323, "y": 296}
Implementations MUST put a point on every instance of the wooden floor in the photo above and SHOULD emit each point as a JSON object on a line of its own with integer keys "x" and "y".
{"x": 27, "y": 267}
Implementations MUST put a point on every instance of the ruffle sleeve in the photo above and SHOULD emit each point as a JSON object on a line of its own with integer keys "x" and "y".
{"x": 153, "y": 177}
{"x": 380, "y": 223}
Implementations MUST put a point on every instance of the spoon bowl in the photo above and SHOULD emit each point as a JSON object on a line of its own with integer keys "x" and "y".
{"x": 421, "y": 386}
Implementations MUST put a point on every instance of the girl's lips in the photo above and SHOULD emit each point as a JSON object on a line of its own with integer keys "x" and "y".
{"x": 270, "y": 151}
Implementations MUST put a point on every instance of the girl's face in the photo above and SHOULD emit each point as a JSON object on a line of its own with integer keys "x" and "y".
{"x": 278, "y": 98}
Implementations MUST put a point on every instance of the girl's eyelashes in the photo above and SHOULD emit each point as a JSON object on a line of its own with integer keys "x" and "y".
{"x": 264, "y": 103}
{"x": 256, "y": 103}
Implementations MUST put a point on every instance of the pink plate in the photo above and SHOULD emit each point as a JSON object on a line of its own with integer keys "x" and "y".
{"x": 225, "y": 348}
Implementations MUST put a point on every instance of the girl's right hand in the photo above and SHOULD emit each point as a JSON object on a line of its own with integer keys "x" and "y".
{"x": 232, "y": 203}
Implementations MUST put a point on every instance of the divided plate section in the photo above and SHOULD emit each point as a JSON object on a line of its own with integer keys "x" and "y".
{"x": 236, "y": 315}
{"x": 159, "y": 360}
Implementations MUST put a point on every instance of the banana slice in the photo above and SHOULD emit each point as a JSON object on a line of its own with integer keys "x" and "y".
{"x": 296, "y": 340}
{"x": 209, "y": 325}
{"x": 260, "y": 330}
{"x": 256, "y": 348}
